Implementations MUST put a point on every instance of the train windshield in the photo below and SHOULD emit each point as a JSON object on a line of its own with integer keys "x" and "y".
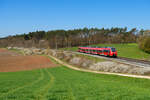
{"x": 113, "y": 49}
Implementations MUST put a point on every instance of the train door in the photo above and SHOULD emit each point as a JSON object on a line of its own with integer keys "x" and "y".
{"x": 99, "y": 52}
{"x": 105, "y": 52}
{"x": 95, "y": 51}
{"x": 102, "y": 53}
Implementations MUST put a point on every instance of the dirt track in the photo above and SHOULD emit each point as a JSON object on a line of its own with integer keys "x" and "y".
{"x": 11, "y": 61}
{"x": 98, "y": 72}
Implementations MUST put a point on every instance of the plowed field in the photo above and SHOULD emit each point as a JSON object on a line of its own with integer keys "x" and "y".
{"x": 11, "y": 61}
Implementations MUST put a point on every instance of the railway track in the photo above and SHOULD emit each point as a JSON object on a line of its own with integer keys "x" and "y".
{"x": 135, "y": 60}
{"x": 128, "y": 61}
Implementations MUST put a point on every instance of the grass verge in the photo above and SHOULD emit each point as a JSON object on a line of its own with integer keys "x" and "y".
{"x": 95, "y": 59}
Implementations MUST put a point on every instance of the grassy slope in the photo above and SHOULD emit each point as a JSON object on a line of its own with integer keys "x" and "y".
{"x": 61, "y": 83}
{"x": 95, "y": 59}
{"x": 124, "y": 50}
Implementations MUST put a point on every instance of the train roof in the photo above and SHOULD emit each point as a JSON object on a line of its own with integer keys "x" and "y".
{"x": 94, "y": 47}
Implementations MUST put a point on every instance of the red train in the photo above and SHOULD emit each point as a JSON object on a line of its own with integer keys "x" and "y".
{"x": 106, "y": 51}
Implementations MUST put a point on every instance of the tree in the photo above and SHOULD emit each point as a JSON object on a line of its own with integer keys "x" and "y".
{"x": 144, "y": 43}
{"x": 75, "y": 37}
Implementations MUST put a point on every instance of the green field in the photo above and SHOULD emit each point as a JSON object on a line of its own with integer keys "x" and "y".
{"x": 124, "y": 50}
{"x": 61, "y": 83}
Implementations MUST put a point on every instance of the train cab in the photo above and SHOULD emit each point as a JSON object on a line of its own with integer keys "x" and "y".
{"x": 113, "y": 52}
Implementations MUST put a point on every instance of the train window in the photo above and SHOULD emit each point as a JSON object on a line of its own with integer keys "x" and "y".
{"x": 106, "y": 51}
{"x": 99, "y": 51}
{"x": 113, "y": 49}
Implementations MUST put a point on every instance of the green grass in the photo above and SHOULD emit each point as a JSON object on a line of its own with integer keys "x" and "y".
{"x": 70, "y": 49}
{"x": 95, "y": 59}
{"x": 124, "y": 50}
{"x": 61, "y": 83}
{"x": 17, "y": 51}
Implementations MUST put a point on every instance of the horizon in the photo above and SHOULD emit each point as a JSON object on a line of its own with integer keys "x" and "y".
{"x": 25, "y": 16}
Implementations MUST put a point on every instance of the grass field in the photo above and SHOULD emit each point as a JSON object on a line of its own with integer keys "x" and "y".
{"x": 124, "y": 50}
{"x": 61, "y": 83}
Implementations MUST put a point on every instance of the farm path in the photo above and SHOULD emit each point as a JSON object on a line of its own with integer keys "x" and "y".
{"x": 98, "y": 72}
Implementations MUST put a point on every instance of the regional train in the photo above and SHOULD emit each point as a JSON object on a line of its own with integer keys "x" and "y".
{"x": 105, "y": 51}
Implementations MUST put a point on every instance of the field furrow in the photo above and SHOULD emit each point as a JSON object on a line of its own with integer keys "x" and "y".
{"x": 11, "y": 92}
{"x": 17, "y": 79}
{"x": 41, "y": 94}
{"x": 71, "y": 92}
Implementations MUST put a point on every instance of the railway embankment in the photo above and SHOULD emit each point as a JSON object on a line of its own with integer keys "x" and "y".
{"x": 91, "y": 63}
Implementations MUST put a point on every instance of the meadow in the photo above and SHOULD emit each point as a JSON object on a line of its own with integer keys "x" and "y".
{"x": 130, "y": 50}
{"x": 61, "y": 83}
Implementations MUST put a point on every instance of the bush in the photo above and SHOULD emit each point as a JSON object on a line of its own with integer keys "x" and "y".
{"x": 144, "y": 43}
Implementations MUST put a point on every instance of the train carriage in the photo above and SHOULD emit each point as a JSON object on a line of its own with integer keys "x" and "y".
{"x": 106, "y": 51}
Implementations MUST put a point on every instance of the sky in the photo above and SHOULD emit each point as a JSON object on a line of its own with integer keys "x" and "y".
{"x": 23, "y": 16}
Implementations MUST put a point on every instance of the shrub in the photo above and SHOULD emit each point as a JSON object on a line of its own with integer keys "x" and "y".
{"x": 144, "y": 43}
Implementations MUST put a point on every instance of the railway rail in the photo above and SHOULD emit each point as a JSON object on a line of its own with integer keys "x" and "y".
{"x": 128, "y": 61}
{"x": 135, "y": 60}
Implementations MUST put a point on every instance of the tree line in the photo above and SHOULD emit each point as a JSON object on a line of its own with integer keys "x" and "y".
{"x": 69, "y": 38}
{"x": 144, "y": 40}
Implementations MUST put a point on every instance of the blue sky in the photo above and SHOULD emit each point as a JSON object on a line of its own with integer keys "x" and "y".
{"x": 23, "y": 16}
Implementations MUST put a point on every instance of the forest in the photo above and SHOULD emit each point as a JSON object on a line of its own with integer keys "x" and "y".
{"x": 76, "y": 37}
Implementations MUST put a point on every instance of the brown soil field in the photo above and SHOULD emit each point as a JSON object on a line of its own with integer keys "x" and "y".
{"x": 11, "y": 61}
